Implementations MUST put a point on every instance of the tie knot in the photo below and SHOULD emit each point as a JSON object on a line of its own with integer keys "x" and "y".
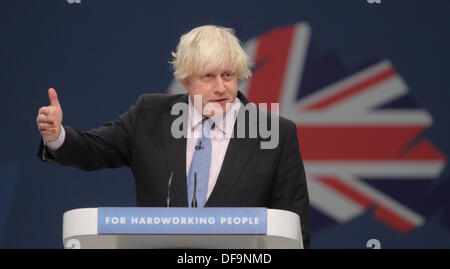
{"x": 207, "y": 125}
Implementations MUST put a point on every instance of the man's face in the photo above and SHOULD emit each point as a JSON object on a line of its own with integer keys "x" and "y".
{"x": 217, "y": 87}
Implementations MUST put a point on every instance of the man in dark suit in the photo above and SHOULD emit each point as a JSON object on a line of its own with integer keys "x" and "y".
{"x": 241, "y": 171}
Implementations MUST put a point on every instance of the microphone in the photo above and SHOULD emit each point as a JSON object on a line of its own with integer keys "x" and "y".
{"x": 194, "y": 199}
{"x": 169, "y": 185}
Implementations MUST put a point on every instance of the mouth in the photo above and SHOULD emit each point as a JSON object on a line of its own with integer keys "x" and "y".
{"x": 220, "y": 101}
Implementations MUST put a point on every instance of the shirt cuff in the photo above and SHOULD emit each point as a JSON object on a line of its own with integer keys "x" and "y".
{"x": 57, "y": 143}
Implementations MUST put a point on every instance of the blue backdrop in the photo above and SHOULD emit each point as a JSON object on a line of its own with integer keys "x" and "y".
{"x": 101, "y": 55}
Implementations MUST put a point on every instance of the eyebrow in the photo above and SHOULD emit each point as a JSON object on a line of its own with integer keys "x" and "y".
{"x": 214, "y": 73}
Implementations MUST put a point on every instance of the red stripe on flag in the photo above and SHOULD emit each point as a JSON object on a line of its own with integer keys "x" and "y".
{"x": 271, "y": 60}
{"x": 358, "y": 87}
{"x": 346, "y": 190}
{"x": 382, "y": 213}
{"x": 365, "y": 143}
{"x": 393, "y": 220}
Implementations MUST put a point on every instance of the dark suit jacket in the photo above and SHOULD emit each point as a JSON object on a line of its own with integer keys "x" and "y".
{"x": 141, "y": 139}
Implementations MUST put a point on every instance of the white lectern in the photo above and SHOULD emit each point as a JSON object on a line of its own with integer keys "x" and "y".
{"x": 81, "y": 230}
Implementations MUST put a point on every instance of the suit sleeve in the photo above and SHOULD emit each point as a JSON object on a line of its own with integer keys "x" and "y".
{"x": 290, "y": 191}
{"x": 109, "y": 146}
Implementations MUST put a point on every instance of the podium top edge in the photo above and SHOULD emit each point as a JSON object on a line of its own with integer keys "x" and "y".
{"x": 94, "y": 209}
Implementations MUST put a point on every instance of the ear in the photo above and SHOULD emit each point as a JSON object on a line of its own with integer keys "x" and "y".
{"x": 185, "y": 83}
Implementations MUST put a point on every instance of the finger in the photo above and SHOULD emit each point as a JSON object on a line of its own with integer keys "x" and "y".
{"x": 43, "y": 110}
{"x": 45, "y": 119}
{"x": 45, "y": 125}
{"x": 45, "y": 131}
{"x": 53, "y": 96}
{"x": 48, "y": 132}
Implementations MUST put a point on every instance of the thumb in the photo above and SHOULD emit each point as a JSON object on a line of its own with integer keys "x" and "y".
{"x": 53, "y": 96}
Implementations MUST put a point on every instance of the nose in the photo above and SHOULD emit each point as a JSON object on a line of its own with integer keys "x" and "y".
{"x": 219, "y": 85}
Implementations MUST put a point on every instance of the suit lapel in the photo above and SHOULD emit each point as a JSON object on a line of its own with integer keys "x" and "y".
{"x": 238, "y": 152}
{"x": 176, "y": 155}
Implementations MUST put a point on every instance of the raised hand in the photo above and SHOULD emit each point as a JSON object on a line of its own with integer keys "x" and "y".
{"x": 49, "y": 118}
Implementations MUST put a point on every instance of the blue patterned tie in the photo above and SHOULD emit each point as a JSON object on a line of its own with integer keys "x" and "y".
{"x": 200, "y": 164}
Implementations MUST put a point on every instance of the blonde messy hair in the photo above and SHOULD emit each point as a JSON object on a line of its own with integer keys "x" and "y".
{"x": 208, "y": 47}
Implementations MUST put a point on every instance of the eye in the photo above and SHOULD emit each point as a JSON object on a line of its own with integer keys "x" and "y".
{"x": 227, "y": 75}
{"x": 208, "y": 76}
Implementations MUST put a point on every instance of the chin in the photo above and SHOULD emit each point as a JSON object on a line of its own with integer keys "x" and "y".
{"x": 214, "y": 109}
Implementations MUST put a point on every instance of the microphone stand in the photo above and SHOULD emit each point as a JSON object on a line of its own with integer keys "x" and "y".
{"x": 194, "y": 199}
{"x": 169, "y": 185}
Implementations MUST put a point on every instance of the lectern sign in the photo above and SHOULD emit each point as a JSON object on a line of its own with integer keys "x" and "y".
{"x": 179, "y": 220}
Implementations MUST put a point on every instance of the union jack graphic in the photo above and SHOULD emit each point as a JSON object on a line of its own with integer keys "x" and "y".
{"x": 347, "y": 130}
